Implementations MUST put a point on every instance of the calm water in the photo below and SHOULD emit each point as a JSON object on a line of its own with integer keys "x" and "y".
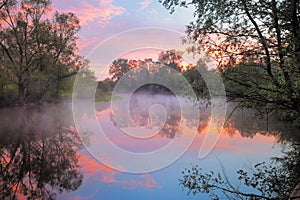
{"x": 42, "y": 154}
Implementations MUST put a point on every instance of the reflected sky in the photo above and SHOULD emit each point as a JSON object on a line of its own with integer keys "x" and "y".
{"x": 241, "y": 145}
{"x": 234, "y": 150}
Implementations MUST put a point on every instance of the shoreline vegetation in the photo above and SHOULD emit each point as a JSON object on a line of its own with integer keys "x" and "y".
{"x": 39, "y": 61}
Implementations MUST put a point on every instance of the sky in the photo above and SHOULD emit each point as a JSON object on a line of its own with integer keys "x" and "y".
{"x": 102, "y": 19}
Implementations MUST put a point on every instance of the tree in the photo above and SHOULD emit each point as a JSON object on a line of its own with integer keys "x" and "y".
{"x": 2, "y": 3}
{"x": 38, "y": 53}
{"x": 198, "y": 84}
{"x": 263, "y": 35}
{"x": 171, "y": 58}
{"x": 120, "y": 67}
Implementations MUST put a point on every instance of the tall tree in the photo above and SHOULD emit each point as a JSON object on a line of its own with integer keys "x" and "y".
{"x": 119, "y": 67}
{"x": 171, "y": 58}
{"x": 259, "y": 35}
{"x": 38, "y": 52}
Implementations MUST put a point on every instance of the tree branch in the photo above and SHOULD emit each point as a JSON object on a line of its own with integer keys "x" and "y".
{"x": 263, "y": 42}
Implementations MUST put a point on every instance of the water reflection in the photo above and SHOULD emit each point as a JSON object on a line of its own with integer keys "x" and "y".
{"x": 249, "y": 124}
{"x": 270, "y": 179}
{"x": 165, "y": 113}
{"x": 159, "y": 112}
{"x": 37, "y": 156}
{"x": 40, "y": 159}
{"x": 140, "y": 105}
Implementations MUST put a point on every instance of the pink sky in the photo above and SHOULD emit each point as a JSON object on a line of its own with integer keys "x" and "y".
{"x": 101, "y": 19}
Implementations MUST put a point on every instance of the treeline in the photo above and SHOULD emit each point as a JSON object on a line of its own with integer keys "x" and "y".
{"x": 246, "y": 83}
{"x": 168, "y": 75}
{"x": 38, "y": 54}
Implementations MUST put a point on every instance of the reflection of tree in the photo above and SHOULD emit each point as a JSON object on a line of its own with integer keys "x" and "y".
{"x": 171, "y": 126}
{"x": 274, "y": 180}
{"x": 139, "y": 107}
{"x": 35, "y": 166}
{"x": 266, "y": 180}
{"x": 139, "y": 110}
{"x": 37, "y": 159}
{"x": 249, "y": 124}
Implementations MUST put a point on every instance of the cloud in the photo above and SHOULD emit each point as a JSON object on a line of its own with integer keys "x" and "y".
{"x": 101, "y": 11}
{"x": 144, "y": 4}
{"x": 85, "y": 44}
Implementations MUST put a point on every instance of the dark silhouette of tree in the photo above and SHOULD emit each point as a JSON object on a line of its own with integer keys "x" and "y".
{"x": 2, "y": 3}
{"x": 198, "y": 84}
{"x": 38, "y": 54}
{"x": 262, "y": 37}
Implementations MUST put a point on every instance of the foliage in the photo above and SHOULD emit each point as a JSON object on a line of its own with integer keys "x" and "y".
{"x": 166, "y": 70}
{"x": 262, "y": 38}
{"x": 171, "y": 59}
{"x": 200, "y": 78}
{"x": 169, "y": 70}
{"x": 105, "y": 86}
{"x": 38, "y": 53}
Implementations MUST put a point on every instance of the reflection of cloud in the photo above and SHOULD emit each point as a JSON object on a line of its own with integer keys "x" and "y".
{"x": 101, "y": 12}
{"x": 146, "y": 182}
{"x": 144, "y": 4}
{"x": 106, "y": 174}
{"x": 90, "y": 166}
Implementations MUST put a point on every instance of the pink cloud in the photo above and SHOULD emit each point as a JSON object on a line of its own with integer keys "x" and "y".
{"x": 86, "y": 44}
{"x": 100, "y": 12}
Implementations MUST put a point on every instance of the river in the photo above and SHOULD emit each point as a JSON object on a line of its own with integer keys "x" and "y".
{"x": 44, "y": 156}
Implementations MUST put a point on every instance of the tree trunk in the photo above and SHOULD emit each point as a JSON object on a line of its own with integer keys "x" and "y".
{"x": 21, "y": 93}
